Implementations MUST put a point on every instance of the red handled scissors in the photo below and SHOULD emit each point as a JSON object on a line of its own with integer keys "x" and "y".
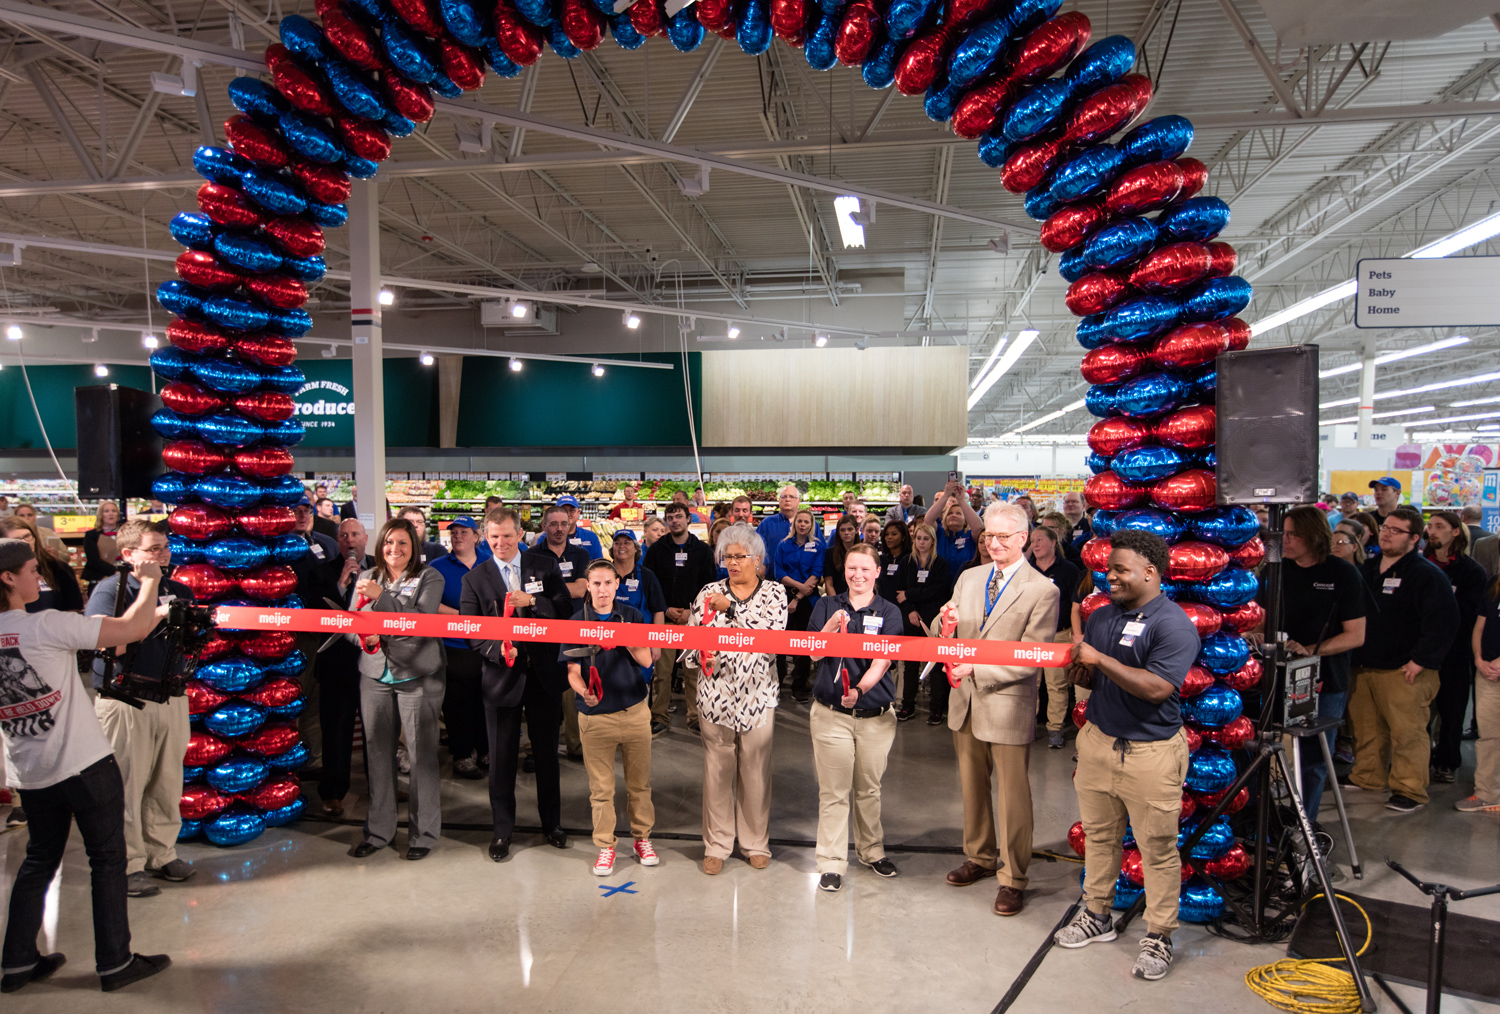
{"x": 706, "y": 658}
{"x": 508, "y": 650}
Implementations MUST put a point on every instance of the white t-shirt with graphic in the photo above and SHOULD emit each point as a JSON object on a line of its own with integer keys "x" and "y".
{"x": 46, "y": 717}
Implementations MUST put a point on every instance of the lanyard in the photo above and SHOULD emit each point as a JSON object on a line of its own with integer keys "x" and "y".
{"x": 989, "y": 604}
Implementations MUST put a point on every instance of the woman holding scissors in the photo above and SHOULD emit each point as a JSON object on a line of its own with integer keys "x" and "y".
{"x": 853, "y": 723}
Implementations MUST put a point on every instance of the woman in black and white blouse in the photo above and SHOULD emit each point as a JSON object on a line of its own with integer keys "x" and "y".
{"x": 737, "y": 698}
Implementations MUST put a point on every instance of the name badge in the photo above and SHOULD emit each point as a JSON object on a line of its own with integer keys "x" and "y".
{"x": 566, "y": 567}
{"x": 961, "y": 543}
{"x": 1391, "y": 584}
{"x": 890, "y": 569}
{"x": 575, "y": 541}
{"x": 1135, "y": 628}
{"x": 42, "y": 585}
{"x": 810, "y": 547}
{"x": 631, "y": 584}
{"x": 680, "y": 558}
{"x": 410, "y": 584}
{"x": 163, "y": 600}
{"x": 921, "y": 577}
{"x": 1126, "y": 640}
{"x": 534, "y": 587}
{"x": 317, "y": 550}
{"x": 873, "y": 624}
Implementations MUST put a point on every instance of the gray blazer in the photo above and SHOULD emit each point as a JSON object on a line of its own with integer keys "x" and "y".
{"x": 1487, "y": 552}
{"x": 408, "y": 657}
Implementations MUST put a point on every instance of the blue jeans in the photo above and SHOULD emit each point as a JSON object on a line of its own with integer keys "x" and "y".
{"x": 1314, "y": 771}
{"x": 95, "y": 797}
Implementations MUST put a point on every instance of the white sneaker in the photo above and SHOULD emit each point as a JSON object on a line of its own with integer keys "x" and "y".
{"x": 605, "y": 864}
{"x": 1155, "y": 959}
{"x": 646, "y": 853}
{"x": 403, "y": 760}
{"x": 1084, "y": 929}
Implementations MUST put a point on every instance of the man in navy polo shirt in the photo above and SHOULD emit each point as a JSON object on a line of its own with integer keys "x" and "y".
{"x": 463, "y": 702}
{"x": 572, "y": 560}
{"x": 580, "y": 536}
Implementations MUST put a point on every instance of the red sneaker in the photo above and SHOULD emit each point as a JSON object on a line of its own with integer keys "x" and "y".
{"x": 605, "y": 864}
{"x": 645, "y": 853}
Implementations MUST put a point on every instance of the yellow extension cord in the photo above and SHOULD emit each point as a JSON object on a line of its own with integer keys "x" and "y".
{"x": 1310, "y": 985}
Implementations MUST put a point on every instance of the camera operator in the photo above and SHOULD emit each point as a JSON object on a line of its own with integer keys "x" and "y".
{"x": 66, "y": 769}
{"x": 338, "y": 667}
{"x": 149, "y": 740}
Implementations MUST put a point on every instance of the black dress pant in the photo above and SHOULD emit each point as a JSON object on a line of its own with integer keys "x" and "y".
{"x": 463, "y": 705}
{"x": 338, "y": 706}
{"x": 800, "y": 665}
{"x": 542, "y": 707}
{"x": 1455, "y": 682}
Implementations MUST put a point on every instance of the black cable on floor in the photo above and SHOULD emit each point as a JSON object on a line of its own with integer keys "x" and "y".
{"x": 1014, "y": 992}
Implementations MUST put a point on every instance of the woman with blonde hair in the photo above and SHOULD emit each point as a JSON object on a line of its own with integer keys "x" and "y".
{"x": 100, "y": 550}
{"x": 928, "y": 584}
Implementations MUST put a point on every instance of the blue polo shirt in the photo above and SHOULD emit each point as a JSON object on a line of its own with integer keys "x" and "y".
{"x": 589, "y": 541}
{"x": 453, "y": 571}
{"x": 772, "y": 529}
{"x": 799, "y": 563}
{"x": 958, "y": 549}
{"x": 624, "y": 681}
{"x": 642, "y": 592}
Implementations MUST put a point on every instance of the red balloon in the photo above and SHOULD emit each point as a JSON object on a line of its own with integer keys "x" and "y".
{"x": 1172, "y": 267}
{"x": 228, "y": 206}
{"x": 267, "y": 646}
{"x": 582, "y": 23}
{"x": 324, "y": 182}
{"x": 1189, "y": 345}
{"x": 1194, "y": 176}
{"x": 1076, "y": 838}
{"x": 270, "y": 739}
{"x": 1049, "y": 47}
{"x": 199, "y": 521}
{"x": 1095, "y": 553}
{"x": 193, "y": 457}
{"x": 1208, "y": 800}
{"x": 1108, "y": 109}
{"x": 924, "y": 57}
{"x": 273, "y": 793}
{"x": 203, "y": 747}
{"x": 267, "y": 522}
{"x": 1090, "y": 603}
{"x": 1097, "y": 292}
{"x": 217, "y": 646}
{"x": 1189, "y": 804}
{"x": 348, "y": 37}
{"x": 269, "y": 582}
{"x": 1130, "y": 865}
{"x": 717, "y": 16}
{"x": 856, "y": 35}
{"x": 521, "y": 41}
{"x": 275, "y": 693}
{"x": 421, "y": 15}
{"x": 1027, "y": 166}
{"x": 464, "y": 66}
{"x": 204, "y": 580}
{"x": 277, "y": 290}
{"x": 1145, "y": 188}
{"x": 1222, "y": 260}
{"x": 980, "y": 107}
{"x": 1232, "y": 735}
{"x": 264, "y": 462}
{"x": 1239, "y": 332}
{"x": 1230, "y": 866}
{"x": 266, "y": 406}
{"x": 649, "y": 17}
{"x": 1244, "y": 618}
{"x": 295, "y": 235}
{"x": 1192, "y": 428}
{"x": 202, "y": 801}
{"x": 1194, "y": 737}
{"x": 411, "y": 99}
{"x": 1205, "y": 618}
{"x": 1072, "y": 224}
{"x": 1081, "y": 713}
{"x": 201, "y": 268}
{"x": 1250, "y": 554}
{"x": 1196, "y": 561}
{"x": 266, "y": 350}
{"x": 191, "y": 336}
{"x": 190, "y": 399}
{"x": 296, "y": 83}
{"x": 1198, "y": 679}
{"x": 365, "y": 139}
{"x": 1246, "y": 677}
{"x": 254, "y": 142}
{"x": 1107, "y": 491}
{"x": 1117, "y": 433}
{"x": 203, "y": 698}
{"x": 1190, "y": 491}
{"x": 789, "y": 21}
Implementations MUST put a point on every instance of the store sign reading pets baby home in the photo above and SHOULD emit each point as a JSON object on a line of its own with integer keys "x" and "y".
{"x": 325, "y": 405}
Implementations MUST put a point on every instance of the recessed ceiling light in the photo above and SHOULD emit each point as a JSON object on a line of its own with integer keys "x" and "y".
{"x": 426, "y": 359}
{"x": 100, "y": 370}
{"x": 515, "y": 365}
{"x": 598, "y": 370}
{"x": 387, "y": 297}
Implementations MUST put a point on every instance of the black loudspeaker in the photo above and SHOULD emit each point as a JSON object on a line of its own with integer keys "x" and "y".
{"x": 1268, "y": 425}
{"x": 119, "y": 452}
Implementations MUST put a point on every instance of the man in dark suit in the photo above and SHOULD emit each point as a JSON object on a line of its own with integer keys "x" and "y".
{"x": 351, "y": 508}
{"x": 320, "y": 549}
{"x": 533, "y": 681}
{"x": 337, "y": 669}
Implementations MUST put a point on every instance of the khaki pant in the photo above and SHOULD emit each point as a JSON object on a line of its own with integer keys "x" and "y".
{"x": 1391, "y": 745}
{"x": 849, "y": 755}
{"x": 630, "y": 732}
{"x": 661, "y": 687}
{"x": 1007, "y": 801}
{"x": 737, "y": 789}
{"x": 1487, "y": 750}
{"x": 1144, "y": 786}
{"x": 149, "y": 743}
{"x": 1058, "y": 686}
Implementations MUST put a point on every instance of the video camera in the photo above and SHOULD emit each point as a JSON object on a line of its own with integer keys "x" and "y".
{"x": 162, "y": 673}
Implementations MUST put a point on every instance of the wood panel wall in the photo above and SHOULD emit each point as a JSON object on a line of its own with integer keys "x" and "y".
{"x": 881, "y": 397}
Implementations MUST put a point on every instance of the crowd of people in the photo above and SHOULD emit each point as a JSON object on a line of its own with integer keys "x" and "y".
{"x": 1405, "y": 614}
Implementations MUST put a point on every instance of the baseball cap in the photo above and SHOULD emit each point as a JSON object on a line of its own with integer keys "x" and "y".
{"x": 625, "y": 533}
{"x": 568, "y": 500}
{"x": 14, "y": 552}
{"x": 1386, "y": 481}
{"x": 1351, "y": 495}
{"x": 306, "y": 501}
{"x": 464, "y": 522}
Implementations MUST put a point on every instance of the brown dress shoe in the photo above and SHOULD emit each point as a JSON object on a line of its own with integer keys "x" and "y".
{"x": 1009, "y": 901}
{"x": 969, "y": 873}
{"x": 333, "y": 807}
{"x": 759, "y": 862}
{"x": 712, "y": 865}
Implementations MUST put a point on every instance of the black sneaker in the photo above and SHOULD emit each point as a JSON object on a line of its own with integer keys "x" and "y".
{"x": 528, "y": 764}
{"x": 1403, "y": 804}
{"x": 658, "y": 727}
{"x": 1348, "y": 786}
{"x": 802, "y": 697}
{"x": 1442, "y": 776}
{"x": 142, "y": 966}
{"x": 15, "y": 818}
{"x": 830, "y": 882}
{"x": 883, "y": 867}
{"x": 139, "y": 885}
{"x": 45, "y": 966}
{"x": 937, "y": 718}
{"x": 906, "y": 714}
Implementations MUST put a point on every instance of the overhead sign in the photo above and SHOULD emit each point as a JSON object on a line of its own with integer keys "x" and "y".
{"x": 1427, "y": 292}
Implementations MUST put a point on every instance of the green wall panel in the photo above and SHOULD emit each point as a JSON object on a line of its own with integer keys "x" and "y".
{"x": 53, "y": 387}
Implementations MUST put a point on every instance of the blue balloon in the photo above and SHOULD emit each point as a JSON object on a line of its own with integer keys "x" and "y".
{"x": 408, "y": 51}
{"x": 286, "y": 548}
{"x": 368, "y": 12}
{"x": 1210, "y": 769}
{"x": 181, "y": 298}
{"x": 248, "y": 253}
{"x": 1162, "y": 524}
{"x": 1105, "y": 62}
{"x": 1093, "y": 331}
{"x": 286, "y": 379}
{"x": 1119, "y": 243}
{"x": 1100, "y": 400}
{"x": 1205, "y": 386}
{"x": 942, "y": 99}
{"x": 257, "y": 99}
{"x": 819, "y": 47}
{"x": 193, "y": 774}
{"x": 237, "y": 774}
{"x": 1040, "y": 204}
{"x": 1101, "y": 581}
{"x": 329, "y": 216}
{"x": 465, "y": 22}
{"x": 285, "y": 814}
{"x": 284, "y": 491}
{"x": 184, "y": 550}
{"x": 294, "y": 322}
{"x": 189, "y": 829}
{"x": 359, "y": 167}
{"x": 538, "y": 12}
{"x": 289, "y": 666}
{"x": 172, "y": 363}
{"x": 399, "y": 126}
{"x": 1073, "y": 265}
{"x": 228, "y": 491}
{"x": 1027, "y": 14}
{"x": 1206, "y": 459}
{"x": 291, "y": 709}
{"x": 1096, "y": 462}
{"x": 173, "y": 425}
{"x": 286, "y": 433}
{"x": 1143, "y": 318}
{"x": 308, "y": 136}
{"x": 753, "y": 32}
{"x": 906, "y": 17}
{"x": 272, "y": 192}
{"x": 1217, "y": 839}
{"x": 978, "y": 51}
{"x": 303, "y": 38}
{"x": 1148, "y": 464}
{"x": 879, "y": 68}
{"x": 1214, "y": 708}
{"x": 1230, "y": 527}
{"x": 1088, "y": 172}
{"x": 173, "y": 488}
{"x": 1126, "y": 893}
{"x": 1224, "y": 653}
{"x": 354, "y": 92}
{"x": 236, "y": 553}
{"x": 1156, "y": 140}
{"x": 235, "y": 827}
{"x": 226, "y": 375}
{"x": 1105, "y": 527}
{"x": 235, "y": 314}
{"x": 1217, "y": 298}
{"x": 995, "y": 149}
{"x": 1150, "y": 396}
{"x": 1037, "y": 110}
{"x": 443, "y": 85}
{"x": 683, "y": 30}
{"x": 231, "y": 675}
{"x": 235, "y": 718}
{"x": 292, "y": 759}
{"x": 219, "y": 164}
{"x": 293, "y": 601}
{"x": 1199, "y": 219}
{"x": 1199, "y": 902}
{"x": 305, "y": 269}
{"x": 623, "y": 30}
{"x": 192, "y": 229}
{"x": 1228, "y": 589}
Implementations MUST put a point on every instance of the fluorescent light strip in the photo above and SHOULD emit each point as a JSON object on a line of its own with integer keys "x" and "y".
{"x": 1046, "y": 418}
{"x": 850, "y": 231}
{"x": 1469, "y": 235}
{"x": 1022, "y": 343}
{"x": 1453, "y": 419}
{"x": 1474, "y": 401}
{"x": 1309, "y": 305}
{"x": 994, "y": 354}
{"x": 1391, "y": 357}
{"x": 1378, "y": 415}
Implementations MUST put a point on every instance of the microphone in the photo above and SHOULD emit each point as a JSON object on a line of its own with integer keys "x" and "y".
{"x": 360, "y": 602}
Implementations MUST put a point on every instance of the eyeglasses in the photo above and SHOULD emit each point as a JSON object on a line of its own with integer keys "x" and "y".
{"x": 1395, "y": 531}
{"x": 1343, "y": 542}
{"x": 736, "y": 557}
{"x": 1001, "y": 536}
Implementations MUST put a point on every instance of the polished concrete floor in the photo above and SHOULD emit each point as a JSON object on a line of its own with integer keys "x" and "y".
{"x": 289, "y": 922}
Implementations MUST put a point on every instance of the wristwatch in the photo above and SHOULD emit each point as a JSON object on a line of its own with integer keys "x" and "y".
{"x": 729, "y": 613}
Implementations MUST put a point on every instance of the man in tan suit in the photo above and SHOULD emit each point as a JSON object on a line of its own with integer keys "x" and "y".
{"x": 992, "y": 711}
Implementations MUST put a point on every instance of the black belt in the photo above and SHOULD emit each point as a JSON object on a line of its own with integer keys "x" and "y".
{"x": 858, "y": 712}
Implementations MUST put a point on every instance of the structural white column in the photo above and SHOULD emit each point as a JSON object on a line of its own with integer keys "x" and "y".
{"x": 369, "y": 383}
{"x": 1367, "y": 393}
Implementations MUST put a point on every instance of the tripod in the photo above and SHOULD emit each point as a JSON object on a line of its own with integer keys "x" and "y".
{"x": 1441, "y": 895}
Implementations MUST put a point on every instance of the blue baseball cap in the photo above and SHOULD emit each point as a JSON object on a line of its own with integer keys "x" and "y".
{"x": 568, "y": 500}
{"x": 306, "y": 501}
{"x": 1386, "y": 481}
{"x": 464, "y": 522}
{"x": 625, "y": 533}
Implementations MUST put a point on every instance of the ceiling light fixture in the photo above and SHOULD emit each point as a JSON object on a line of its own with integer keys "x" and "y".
{"x": 426, "y": 359}
{"x": 386, "y": 297}
{"x": 13, "y": 332}
{"x": 598, "y": 370}
{"x": 1014, "y": 352}
{"x": 850, "y": 231}
{"x": 994, "y": 354}
{"x": 1474, "y": 401}
{"x": 150, "y": 340}
{"x": 1391, "y": 357}
{"x": 100, "y": 370}
{"x": 1453, "y": 419}
{"x": 1073, "y": 407}
{"x": 630, "y": 319}
{"x": 519, "y": 309}
{"x": 1378, "y": 415}
{"x": 515, "y": 365}
{"x": 734, "y": 332}
{"x": 820, "y": 340}
{"x": 862, "y": 344}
